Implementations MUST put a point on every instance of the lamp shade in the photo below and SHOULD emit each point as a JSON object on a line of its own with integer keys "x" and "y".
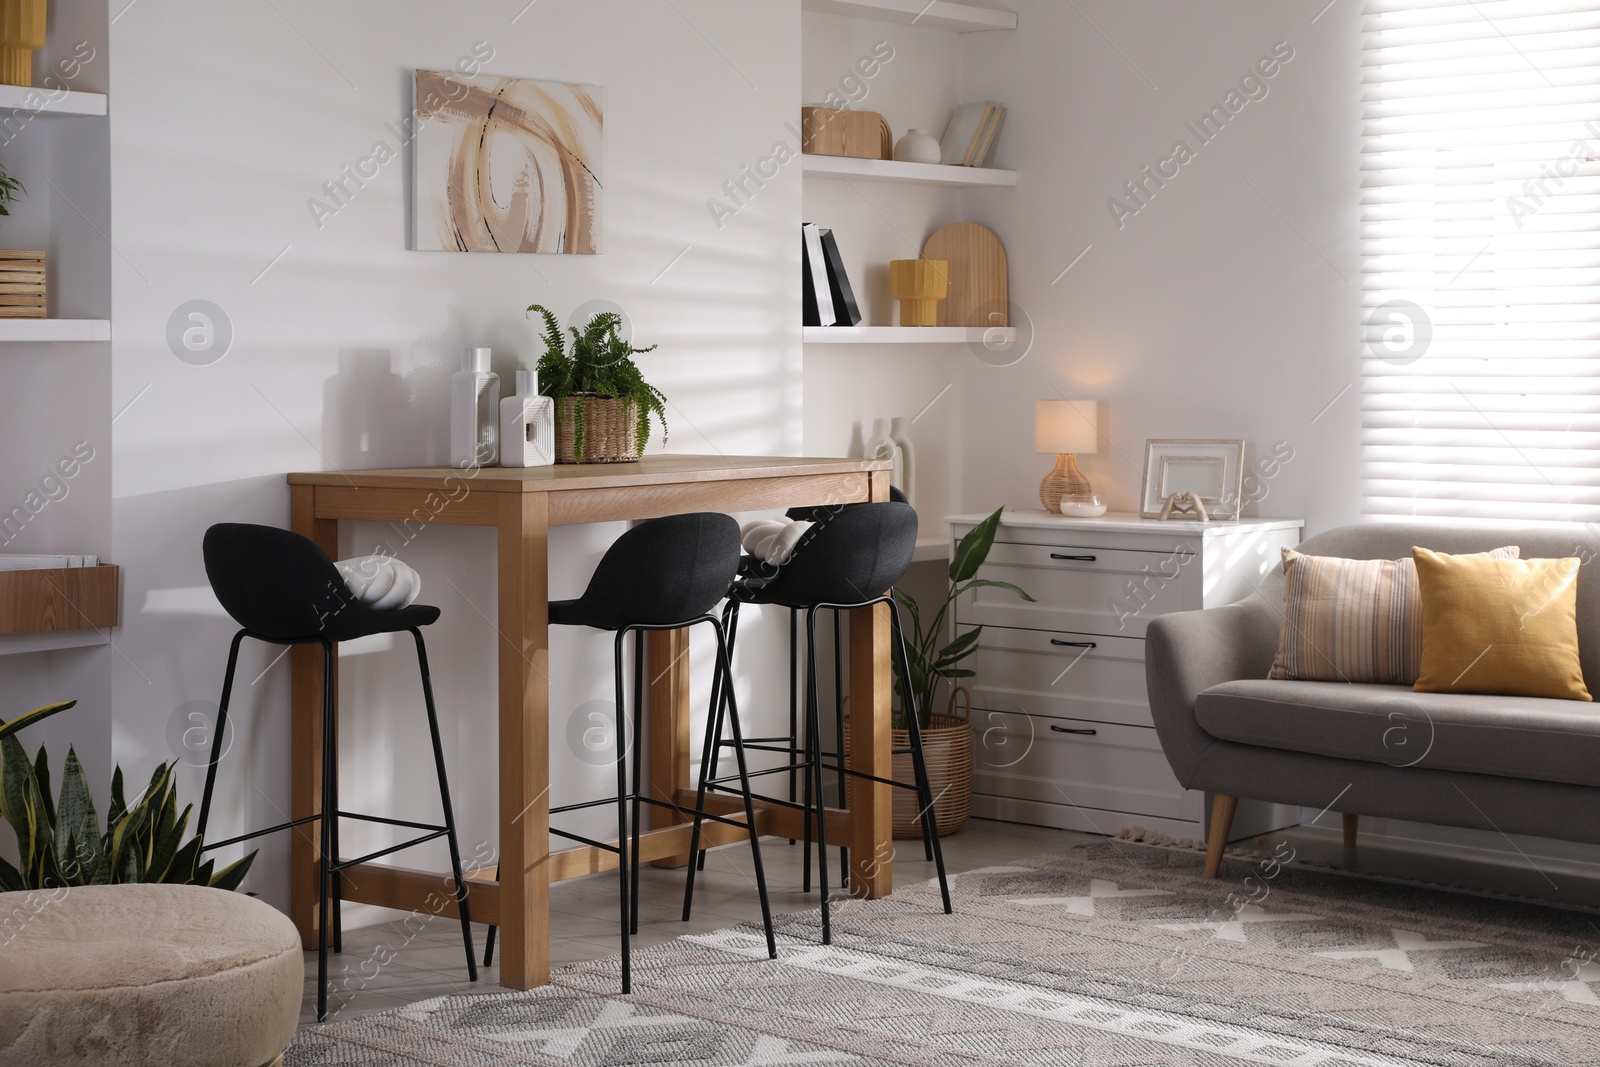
{"x": 1065, "y": 426}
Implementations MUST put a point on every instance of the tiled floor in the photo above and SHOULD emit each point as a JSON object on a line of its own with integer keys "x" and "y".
{"x": 387, "y": 966}
{"x": 394, "y": 964}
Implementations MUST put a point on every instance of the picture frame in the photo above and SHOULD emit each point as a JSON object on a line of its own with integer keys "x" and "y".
{"x": 1210, "y": 468}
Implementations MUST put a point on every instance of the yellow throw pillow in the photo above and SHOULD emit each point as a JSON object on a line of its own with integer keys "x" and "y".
{"x": 1501, "y": 626}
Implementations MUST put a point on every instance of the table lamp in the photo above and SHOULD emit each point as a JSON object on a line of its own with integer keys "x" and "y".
{"x": 1067, "y": 427}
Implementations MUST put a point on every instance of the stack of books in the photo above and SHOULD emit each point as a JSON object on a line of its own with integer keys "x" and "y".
{"x": 19, "y": 561}
{"x": 829, "y": 299}
{"x": 970, "y": 137}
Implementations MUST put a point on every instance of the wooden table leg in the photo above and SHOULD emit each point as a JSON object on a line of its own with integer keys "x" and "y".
{"x": 871, "y": 806}
{"x": 670, "y": 749}
{"x": 524, "y": 740}
{"x": 305, "y": 732}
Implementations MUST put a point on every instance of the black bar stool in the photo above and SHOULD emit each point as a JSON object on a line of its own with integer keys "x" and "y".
{"x": 665, "y": 574}
{"x": 284, "y": 590}
{"x": 841, "y": 564}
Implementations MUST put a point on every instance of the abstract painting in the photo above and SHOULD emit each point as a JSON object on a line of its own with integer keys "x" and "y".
{"x": 507, "y": 164}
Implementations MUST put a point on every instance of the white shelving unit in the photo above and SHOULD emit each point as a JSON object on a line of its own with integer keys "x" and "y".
{"x": 23, "y": 100}
{"x": 34, "y": 330}
{"x": 938, "y": 15}
{"x": 889, "y": 170}
{"x": 908, "y": 335}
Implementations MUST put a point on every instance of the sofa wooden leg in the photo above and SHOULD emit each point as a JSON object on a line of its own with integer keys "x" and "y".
{"x": 1351, "y": 823}
{"x": 1222, "y": 808}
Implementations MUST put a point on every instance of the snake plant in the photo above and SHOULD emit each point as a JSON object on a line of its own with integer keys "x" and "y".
{"x": 60, "y": 843}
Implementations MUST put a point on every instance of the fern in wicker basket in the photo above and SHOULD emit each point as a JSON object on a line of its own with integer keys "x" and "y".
{"x": 598, "y": 364}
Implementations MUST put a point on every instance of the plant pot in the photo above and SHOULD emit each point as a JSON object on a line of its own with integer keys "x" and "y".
{"x": 610, "y": 430}
{"x": 947, "y": 749}
{"x": 22, "y": 284}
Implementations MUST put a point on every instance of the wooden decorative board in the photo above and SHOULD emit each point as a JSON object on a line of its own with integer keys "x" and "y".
{"x": 22, "y": 279}
{"x": 979, "y": 292}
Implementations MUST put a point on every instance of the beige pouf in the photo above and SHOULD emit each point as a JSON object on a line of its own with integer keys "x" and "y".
{"x": 146, "y": 975}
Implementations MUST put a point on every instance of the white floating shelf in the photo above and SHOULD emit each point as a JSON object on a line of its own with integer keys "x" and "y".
{"x": 22, "y": 100}
{"x": 52, "y": 641}
{"x": 908, "y": 335}
{"x": 890, "y": 170}
{"x": 939, "y": 15}
{"x": 55, "y": 329}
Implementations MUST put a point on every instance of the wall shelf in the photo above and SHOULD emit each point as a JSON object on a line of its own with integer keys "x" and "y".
{"x": 891, "y": 170}
{"x": 55, "y": 329}
{"x": 907, "y": 335}
{"x": 23, "y": 100}
{"x": 65, "y": 599}
{"x": 939, "y": 14}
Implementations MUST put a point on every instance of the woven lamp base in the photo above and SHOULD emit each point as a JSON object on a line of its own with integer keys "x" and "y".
{"x": 1065, "y": 480}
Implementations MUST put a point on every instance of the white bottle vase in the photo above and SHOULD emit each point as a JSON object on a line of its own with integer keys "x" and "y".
{"x": 897, "y": 434}
{"x": 917, "y": 146}
{"x": 882, "y": 446}
{"x": 474, "y": 412}
{"x": 527, "y": 425}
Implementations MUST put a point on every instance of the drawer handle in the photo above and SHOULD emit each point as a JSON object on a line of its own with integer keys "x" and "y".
{"x": 1079, "y": 559}
{"x": 1064, "y": 730}
{"x": 1071, "y": 644}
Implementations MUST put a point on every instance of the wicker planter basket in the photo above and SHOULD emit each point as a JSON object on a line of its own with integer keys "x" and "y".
{"x": 947, "y": 748}
{"x": 610, "y": 430}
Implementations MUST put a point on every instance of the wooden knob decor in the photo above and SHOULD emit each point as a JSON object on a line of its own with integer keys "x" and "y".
{"x": 22, "y": 27}
{"x": 919, "y": 285}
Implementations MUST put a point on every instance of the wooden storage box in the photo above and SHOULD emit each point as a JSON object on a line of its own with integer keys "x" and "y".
{"x": 72, "y": 598}
{"x": 22, "y": 278}
{"x": 828, "y": 131}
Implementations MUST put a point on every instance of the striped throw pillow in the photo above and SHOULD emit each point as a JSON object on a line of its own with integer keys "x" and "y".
{"x": 1353, "y": 620}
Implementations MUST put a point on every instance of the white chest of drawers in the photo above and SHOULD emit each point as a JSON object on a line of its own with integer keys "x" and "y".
{"x": 1062, "y": 729}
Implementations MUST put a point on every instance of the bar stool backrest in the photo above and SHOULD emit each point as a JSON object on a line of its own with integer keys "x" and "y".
{"x": 667, "y": 570}
{"x": 852, "y": 555}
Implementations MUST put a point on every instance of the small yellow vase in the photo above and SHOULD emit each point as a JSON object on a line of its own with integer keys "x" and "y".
{"x": 919, "y": 285}
{"x": 22, "y": 27}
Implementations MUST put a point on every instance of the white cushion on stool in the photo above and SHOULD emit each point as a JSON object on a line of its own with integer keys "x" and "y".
{"x": 146, "y": 975}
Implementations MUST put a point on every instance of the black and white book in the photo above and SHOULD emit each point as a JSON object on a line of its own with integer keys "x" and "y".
{"x": 846, "y": 311}
{"x": 817, "y": 296}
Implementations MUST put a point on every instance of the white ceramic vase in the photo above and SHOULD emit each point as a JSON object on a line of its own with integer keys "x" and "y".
{"x": 898, "y": 434}
{"x": 917, "y": 146}
{"x": 882, "y": 445}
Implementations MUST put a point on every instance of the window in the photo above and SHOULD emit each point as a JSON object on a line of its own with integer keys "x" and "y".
{"x": 1480, "y": 246}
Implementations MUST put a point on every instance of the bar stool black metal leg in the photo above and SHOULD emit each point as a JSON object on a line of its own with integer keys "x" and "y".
{"x": 713, "y": 744}
{"x": 744, "y": 784}
{"x": 622, "y": 810}
{"x": 708, "y": 766}
{"x": 814, "y": 741}
{"x": 930, "y": 825}
{"x": 218, "y": 731}
{"x": 325, "y": 860}
{"x": 794, "y": 699}
{"x": 638, "y": 748}
{"x": 331, "y": 804}
{"x": 462, "y": 907}
{"x": 488, "y": 946}
{"x": 838, "y": 742}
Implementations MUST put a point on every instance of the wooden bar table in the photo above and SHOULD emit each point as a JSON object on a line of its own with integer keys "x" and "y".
{"x": 522, "y": 504}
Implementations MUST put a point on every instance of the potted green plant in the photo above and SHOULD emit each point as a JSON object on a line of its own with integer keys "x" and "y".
{"x": 934, "y": 662}
{"x": 60, "y": 842}
{"x": 603, "y": 404}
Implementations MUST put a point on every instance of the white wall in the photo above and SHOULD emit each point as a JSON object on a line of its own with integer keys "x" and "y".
{"x": 226, "y": 120}
{"x": 1209, "y": 313}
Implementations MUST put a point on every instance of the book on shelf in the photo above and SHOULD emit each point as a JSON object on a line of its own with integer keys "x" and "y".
{"x": 969, "y": 137}
{"x": 845, "y": 309}
{"x": 39, "y": 561}
{"x": 817, "y": 297}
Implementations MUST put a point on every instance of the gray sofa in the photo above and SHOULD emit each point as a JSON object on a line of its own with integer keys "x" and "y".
{"x": 1518, "y": 765}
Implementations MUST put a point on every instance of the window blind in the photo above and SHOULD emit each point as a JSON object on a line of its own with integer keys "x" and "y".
{"x": 1480, "y": 252}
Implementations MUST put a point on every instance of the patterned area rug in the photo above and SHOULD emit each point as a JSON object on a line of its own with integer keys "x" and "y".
{"x": 1112, "y": 954}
